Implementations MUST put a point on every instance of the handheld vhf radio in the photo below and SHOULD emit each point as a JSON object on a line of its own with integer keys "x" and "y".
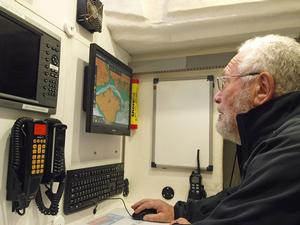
{"x": 197, "y": 190}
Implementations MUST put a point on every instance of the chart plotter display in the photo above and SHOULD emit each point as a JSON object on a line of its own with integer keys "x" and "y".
{"x": 112, "y": 95}
{"x": 107, "y": 93}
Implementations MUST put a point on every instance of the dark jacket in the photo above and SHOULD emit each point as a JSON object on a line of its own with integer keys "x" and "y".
{"x": 269, "y": 157}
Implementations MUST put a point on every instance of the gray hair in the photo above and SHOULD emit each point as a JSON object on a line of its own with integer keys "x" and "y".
{"x": 278, "y": 55}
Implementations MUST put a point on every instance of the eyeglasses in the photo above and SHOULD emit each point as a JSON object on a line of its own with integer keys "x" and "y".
{"x": 222, "y": 81}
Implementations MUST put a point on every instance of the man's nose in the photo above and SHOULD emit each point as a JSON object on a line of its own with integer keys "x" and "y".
{"x": 217, "y": 97}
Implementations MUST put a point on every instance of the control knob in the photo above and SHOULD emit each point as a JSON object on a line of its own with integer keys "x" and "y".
{"x": 55, "y": 60}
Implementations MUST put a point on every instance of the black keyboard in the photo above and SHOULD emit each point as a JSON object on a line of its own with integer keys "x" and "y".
{"x": 88, "y": 186}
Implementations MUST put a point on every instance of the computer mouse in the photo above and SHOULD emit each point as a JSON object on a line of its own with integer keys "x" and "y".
{"x": 140, "y": 215}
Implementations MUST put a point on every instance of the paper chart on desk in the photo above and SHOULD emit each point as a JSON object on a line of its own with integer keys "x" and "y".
{"x": 114, "y": 219}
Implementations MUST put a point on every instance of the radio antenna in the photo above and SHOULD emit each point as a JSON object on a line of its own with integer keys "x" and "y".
{"x": 198, "y": 161}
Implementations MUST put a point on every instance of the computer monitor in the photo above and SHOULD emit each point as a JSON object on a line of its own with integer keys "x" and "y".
{"x": 107, "y": 99}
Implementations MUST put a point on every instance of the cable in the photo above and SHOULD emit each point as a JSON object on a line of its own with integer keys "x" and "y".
{"x": 95, "y": 209}
{"x": 54, "y": 199}
{"x": 16, "y": 155}
{"x": 16, "y": 141}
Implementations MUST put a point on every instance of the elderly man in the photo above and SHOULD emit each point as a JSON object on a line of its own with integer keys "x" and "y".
{"x": 259, "y": 109}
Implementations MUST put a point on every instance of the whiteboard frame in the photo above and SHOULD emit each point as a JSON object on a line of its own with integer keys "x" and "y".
{"x": 210, "y": 79}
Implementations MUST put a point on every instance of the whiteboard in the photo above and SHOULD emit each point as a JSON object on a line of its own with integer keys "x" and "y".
{"x": 182, "y": 122}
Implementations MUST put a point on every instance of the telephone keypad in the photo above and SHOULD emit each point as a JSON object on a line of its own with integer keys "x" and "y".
{"x": 38, "y": 155}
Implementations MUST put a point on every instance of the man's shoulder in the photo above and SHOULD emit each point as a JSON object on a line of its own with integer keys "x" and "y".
{"x": 290, "y": 126}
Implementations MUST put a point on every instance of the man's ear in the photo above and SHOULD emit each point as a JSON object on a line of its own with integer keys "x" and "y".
{"x": 264, "y": 88}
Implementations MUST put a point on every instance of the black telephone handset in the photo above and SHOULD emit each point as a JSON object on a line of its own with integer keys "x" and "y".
{"x": 197, "y": 190}
{"x": 29, "y": 154}
{"x": 54, "y": 168}
{"x": 25, "y": 170}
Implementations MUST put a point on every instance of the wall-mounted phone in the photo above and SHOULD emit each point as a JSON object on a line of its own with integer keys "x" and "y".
{"x": 197, "y": 190}
{"x": 36, "y": 156}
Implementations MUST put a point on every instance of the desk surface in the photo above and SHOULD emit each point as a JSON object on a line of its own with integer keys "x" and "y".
{"x": 117, "y": 216}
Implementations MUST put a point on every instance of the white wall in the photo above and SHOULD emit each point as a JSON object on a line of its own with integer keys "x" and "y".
{"x": 80, "y": 146}
{"x": 147, "y": 182}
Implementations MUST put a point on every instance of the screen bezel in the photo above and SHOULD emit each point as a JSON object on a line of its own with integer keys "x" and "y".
{"x": 39, "y": 102}
{"x": 97, "y": 51}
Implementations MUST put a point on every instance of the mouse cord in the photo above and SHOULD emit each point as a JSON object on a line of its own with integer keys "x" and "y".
{"x": 95, "y": 209}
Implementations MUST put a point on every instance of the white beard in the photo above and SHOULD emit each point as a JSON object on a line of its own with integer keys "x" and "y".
{"x": 227, "y": 125}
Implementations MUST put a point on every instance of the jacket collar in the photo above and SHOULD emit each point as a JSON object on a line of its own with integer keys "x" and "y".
{"x": 260, "y": 122}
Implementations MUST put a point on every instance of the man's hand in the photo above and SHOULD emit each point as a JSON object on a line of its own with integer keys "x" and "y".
{"x": 180, "y": 221}
{"x": 165, "y": 212}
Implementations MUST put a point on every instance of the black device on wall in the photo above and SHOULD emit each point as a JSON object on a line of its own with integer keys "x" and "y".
{"x": 29, "y": 65}
{"x": 90, "y": 14}
{"x": 197, "y": 190}
{"x": 36, "y": 156}
{"x": 107, "y": 93}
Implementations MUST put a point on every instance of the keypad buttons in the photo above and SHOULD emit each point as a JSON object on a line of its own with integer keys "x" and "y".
{"x": 38, "y": 156}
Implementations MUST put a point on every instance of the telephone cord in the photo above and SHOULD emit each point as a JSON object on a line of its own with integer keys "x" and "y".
{"x": 16, "y": 141}
{"x": 53, "y": 209}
